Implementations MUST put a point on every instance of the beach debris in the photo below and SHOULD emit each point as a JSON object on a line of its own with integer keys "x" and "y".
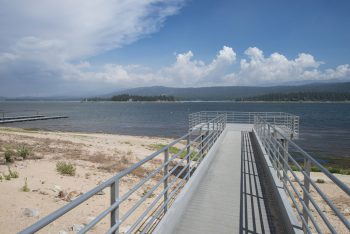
{"x": 62, "y": 194}
{"x": 43, "y": 192}
{"x": 77, "y": 227}
{"x": 31, "y": 212}
{"x": 62, "y": 232}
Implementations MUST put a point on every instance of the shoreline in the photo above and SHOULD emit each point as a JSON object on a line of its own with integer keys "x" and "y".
{"x": 183, "y": 101}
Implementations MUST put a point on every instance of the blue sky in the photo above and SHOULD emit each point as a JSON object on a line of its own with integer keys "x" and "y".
{"x": 88, "y": 48}
{"x": 318, "y": 27}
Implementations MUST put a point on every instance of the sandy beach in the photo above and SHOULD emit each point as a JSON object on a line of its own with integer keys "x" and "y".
{"x": 96, "y": 157}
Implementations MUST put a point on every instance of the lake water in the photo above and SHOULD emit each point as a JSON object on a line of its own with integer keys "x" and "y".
{"x": 324, "y": 127}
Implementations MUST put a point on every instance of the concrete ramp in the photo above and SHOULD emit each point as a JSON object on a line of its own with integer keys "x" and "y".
{"x": 215, "y": 207}
{"x": 229, "y": 197}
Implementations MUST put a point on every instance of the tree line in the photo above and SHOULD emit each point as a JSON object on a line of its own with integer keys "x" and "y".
{"x": 135, "y": 98}
{"x": 300, "y": 96}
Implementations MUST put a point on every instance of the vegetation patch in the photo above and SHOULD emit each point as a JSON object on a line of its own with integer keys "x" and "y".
{"x": 9, "y": 155}
{"x": 320, "y": 181}
{"x": 174, "y": 150}
{"x": 25, "y": 187}
{"x": 11, "y": 174}
{"x": 334, "y": 169}
{"x": 65, "y": 168}
{"x": 23, "y": 151}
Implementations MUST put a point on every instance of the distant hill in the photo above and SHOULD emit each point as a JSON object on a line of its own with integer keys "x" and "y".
{"x": 232, "y": 92}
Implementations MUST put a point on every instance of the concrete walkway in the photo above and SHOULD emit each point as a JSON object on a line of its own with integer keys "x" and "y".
{"x": 228, "y": 198}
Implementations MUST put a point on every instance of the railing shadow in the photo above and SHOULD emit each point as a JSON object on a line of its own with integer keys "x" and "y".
{"x": 255, "y": 215}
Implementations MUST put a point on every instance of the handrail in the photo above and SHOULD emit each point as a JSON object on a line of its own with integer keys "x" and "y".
{"x": 277, "y": 147}
{"x": 289, "y": 123}
{"x": 198, "y": 142}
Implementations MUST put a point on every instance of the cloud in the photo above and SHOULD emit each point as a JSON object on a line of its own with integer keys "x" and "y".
{"x": 80, "y": 27}
{"x": 42, "y": 42}
{"x": 45, "y": 48}
{"x": 277, "y": 68}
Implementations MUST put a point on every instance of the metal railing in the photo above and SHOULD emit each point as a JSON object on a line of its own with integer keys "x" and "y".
{"x": 287, "y": 122}
{"x": 305, "y": 195}
{"x": 173, "y": 170}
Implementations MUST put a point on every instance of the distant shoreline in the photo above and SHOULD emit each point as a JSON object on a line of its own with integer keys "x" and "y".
{"x": 177, "y": 101}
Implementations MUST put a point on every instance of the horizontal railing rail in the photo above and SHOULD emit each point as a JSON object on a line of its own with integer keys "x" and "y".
{"x": 287, "y": 122}
{"x": 173, "y": 170}
{"x": 307, "y": 197}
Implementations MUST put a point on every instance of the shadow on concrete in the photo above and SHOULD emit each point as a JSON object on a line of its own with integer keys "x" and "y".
{"x": 258, "y": 214}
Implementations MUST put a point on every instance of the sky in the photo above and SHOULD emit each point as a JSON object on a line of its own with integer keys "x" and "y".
{"x": 74, "y": 48}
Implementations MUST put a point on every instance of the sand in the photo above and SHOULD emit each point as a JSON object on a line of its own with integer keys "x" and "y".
{"x": 337, "y": 196}
{"x": 96, "y": 157}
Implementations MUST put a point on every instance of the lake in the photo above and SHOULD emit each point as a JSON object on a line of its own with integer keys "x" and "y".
{"x": 324, "y": 127}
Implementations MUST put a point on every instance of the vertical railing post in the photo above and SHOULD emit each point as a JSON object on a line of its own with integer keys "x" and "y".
{"x": 202, "y": 144}
{"x": 166, "y": 171}
{"x": 275, "y": 149}
{"x": 307, "y": 169}
{"x": 115, "y": 198}
{"x": 188, "y": 156}
{"x": 285, "y": 157}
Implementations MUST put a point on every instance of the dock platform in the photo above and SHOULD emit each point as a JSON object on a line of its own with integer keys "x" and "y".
{"x": 29, "y": 118}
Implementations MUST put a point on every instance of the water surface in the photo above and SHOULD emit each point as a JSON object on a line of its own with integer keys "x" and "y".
{"x": 324, "y": 127}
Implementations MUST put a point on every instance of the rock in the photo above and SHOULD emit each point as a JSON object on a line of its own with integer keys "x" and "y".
{"x": 31, "y": 212}
{"x": 124, "y": 229}
{"x": 101, "y": 193}
{"x": 57, "y": 188}
{"x": 72, "y": 195}
{"x": 88, "y": 220}
{"x": 346, "y": 211}
{"x": 77, "y": 227}
{"x": 62, "y": 232}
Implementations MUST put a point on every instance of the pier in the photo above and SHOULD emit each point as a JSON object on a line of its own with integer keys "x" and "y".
{"x": 233, "y": 174}
{"x": 16, "y": 119}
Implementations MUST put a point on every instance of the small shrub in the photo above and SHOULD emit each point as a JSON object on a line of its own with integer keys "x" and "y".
{"x": 7, "y": 177}
{"x": 294, "y": 168}
{"x": 23, "y": 151}
{"x": 320, "y": 181}
{"x": 1, "y": 178}
{"x": 9, "y": 155}
{"x": 315, "y": 169}
{"x": 13, "y": 174}
{"x": 174, "y": 150}
{"x": 25, "y": 187}
{"x": 345, "y": 171}
{"x": 145, "y": 191}
{"x": 65, "y": 168}
{"x": 334, "y": 170}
